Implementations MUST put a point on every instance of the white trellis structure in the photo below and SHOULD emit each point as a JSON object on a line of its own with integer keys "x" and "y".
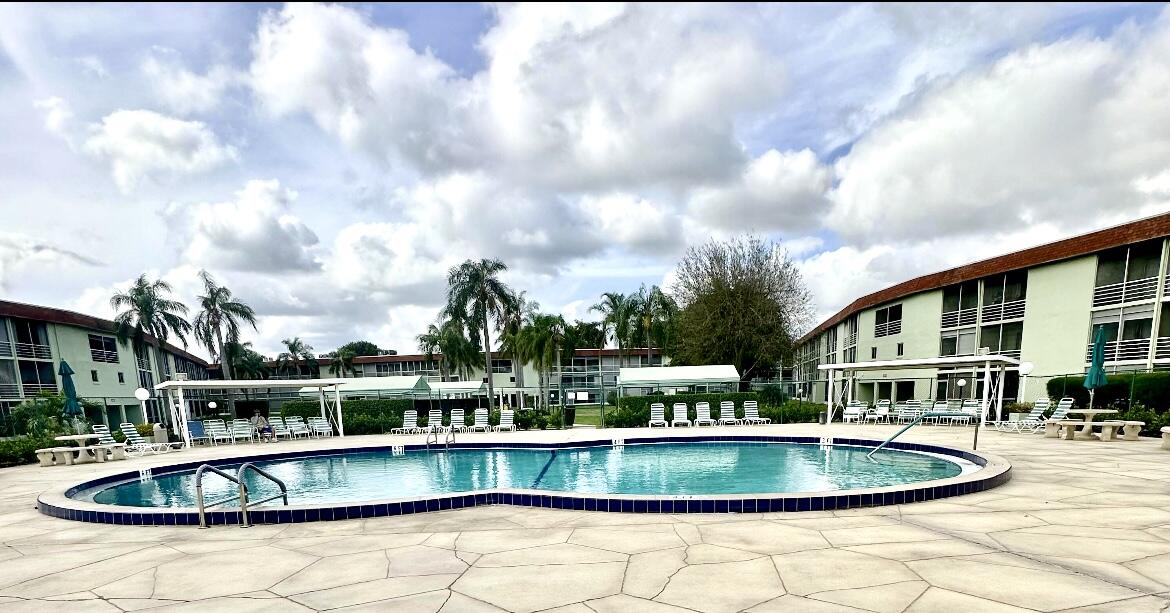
{"x": 177, "y": 403}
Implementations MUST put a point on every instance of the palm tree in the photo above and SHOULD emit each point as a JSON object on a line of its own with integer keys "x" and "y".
{"x": 220, "y": 314}
{"x": 449, "y": 339}
{"x": 476, "y": 296}
{"x": 151, "y": 314}
{"x": 543, "y": 339}
{"x": 342, "y": 363}
{"x": 246, "y": 363}
{"x": 520, "y": 310}
{"x": 653, "y": 313}
{"x": 297, "y": 350}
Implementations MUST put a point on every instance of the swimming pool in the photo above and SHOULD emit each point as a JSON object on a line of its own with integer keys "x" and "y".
{"x": 664, "y": 474}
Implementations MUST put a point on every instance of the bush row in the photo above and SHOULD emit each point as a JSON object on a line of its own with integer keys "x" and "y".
{"x": 634, "y": 411}
{"x": 22, "y": 449}
{"x": 1149, "y": 389}
{"x": 378, "y": 416}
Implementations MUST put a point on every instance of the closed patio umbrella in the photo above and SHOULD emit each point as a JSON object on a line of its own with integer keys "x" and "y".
{"x": 1095, "y": 378}
{"x": 73, "y": 408}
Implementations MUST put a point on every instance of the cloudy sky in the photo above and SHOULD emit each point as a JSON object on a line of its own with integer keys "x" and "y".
{"x": 330, "y": 163}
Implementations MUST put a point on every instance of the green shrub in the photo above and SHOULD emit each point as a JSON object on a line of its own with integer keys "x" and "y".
{"x": 494, "y": 417}
{"x": 792, "y": 412}
{"x": 118, "y": 436}
{"x": 773, "y": 395}
{"x": 1019, "y": 407}
{"x": 22, "y": 449}
{"x": 1150, "y": 389}
{"x": 144, "y": 429}
{"x": 1154, "y": 421}
{"x": 40, "y": 416}
{"x": 526, "y": 419}
{"x": 634, "y": 411}
{"x": 551, "y": 420}
{"x": 377, "y": 416}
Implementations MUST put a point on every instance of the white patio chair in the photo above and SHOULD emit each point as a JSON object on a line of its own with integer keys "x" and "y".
{"x": 297, "y": 426}
{"x": 703, "y": 414}
{"x": 727, "y": 414}
{"x": 1031, "y": 422}
{"x": 435, "y": 420}
{"x": 217, "y": 431}
{"x": 319, "y": 426}
{"x": 507, "y": 421}
{"x": 409, "y": 423}
{"x": 458, "y": 422}
{"x": 481, "y": 422}
{"x": 854, "y": 411}
{"x": 279, "y": 428}
{"x": 242, "y": 429}
{"x": 679, "y": 415}
{"x": 658, "y": 415}
{"x": 751, "y": 413}
{"x": 136, "y": 444}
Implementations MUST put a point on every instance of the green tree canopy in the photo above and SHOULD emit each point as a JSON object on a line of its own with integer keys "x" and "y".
{"x": 360, "y": 348}
{"x": 477, "y": 297}
{"x": 744, "y": 303}
{"x": 219, "y": 319}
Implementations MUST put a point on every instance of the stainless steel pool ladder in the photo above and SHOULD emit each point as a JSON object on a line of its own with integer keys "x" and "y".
{"x": 242, "y": 487}
{"x": 447, "y": 440}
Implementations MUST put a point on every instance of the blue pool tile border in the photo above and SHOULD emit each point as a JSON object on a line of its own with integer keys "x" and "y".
{"x": 752, "y": 503}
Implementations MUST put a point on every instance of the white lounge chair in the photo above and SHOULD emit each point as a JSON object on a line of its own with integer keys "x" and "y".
{"x": 703, "y": 414}
{"x": 116, "y": 449}
{"x": 881, "y": 412}
{"x": 972, "y": 408}
{"x": 319, "y": 426}
{"x": 940, "y": 406}
{"x": 507, "y": 421}
{"x": 727, "y": 414}
{"x": 458, "y": 422}
{"x": 854, "y": 411}
{"x": 481, "y": 422}
{"x": 1034, "y": 419}
{"x": 751, "y": 413}
{"x": 242, "y": 429}
{"x": 679, "y": 415}
{"x": 217, "y": 431}
{"x": 297, "y": 426}
{"x": 409, "y": 423}
{"x": 658, "y": 415}
{"x": 136, "y": 444}
{"x": 279, "y": 428}
{"x": 435, "y": 420}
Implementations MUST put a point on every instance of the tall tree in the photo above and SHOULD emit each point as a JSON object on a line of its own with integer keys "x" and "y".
{"x": 219, "y": 319}
{"x": 477, "y": 296}
{"x": 146, "y": 309}
{"x": 342, "y": 363}
{"x": 615, "y": 323}
{"x": 296, "y": 350}
{"x": 360, "y": 348}
{"x": 744, "y": 303}
{"x": 448, "y": 339}
{"x": 653, "y": 318}
{"x": 246, "y": 363}
{"x": 521, "y": 309}
{"x": 544, "y": 338}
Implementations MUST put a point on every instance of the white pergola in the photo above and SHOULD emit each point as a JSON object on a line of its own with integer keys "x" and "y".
{"x": 173, "y": 390}
{"x": 974, "y": 362}
{"x": 659, "y": 376}
{"x": 452, "y": 389}
{"x": 413, "y": 385}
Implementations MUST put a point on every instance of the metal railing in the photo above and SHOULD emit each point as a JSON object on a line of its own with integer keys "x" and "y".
{"x": 29, "y": 350}
{"x": 1116, "y": 351}
{"x": 1162, "y": 348}
{"x": 32, "y": 389}
{"x": 851, "y": 340}
{"x": 962, "y": 317}
{"x": 1127, "y": 291}
{"x": 888, "y": 329}
{"x": 9, "y": 390}
{"x": 242, "y": 494}
{"x": 5, "y": 350}
{"x": 433, "y": 431}
{"x": 101, "y": 355}
{"x": 1004, "y": 310}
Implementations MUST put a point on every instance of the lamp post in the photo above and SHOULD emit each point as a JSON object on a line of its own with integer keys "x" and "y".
{"x": 211, "y": 405}
{"x": 1026, "y": 369}
{"x": 142, "y": 394}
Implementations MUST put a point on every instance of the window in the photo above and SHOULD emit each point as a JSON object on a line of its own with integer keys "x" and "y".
{"x": 103, "y": 348}
{"x": 122, "y": 378}
{"x": 1164, "y": 321}
{"x": 960, "y": 297}
{"x": 900, "y": 350}
{"x": 37, "y": 374}
{"x": 93, "y": 376}
{"x": 888, "y": 321}
{"x": 501, "y": 366}
{"x": 873, "y": 353}
{"x": 1130, "y": 263}
{"x": 850, "y": 355}
{"x": 1136, "y": 329}
{"x": 1008, "y": 287}
{"x": 1002, "y": 338}
{"x": 958, "y": 342}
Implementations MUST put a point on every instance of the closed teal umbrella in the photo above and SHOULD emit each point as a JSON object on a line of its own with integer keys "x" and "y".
{"x": 1095, "y": 378}
{"x": 73, "y": 408}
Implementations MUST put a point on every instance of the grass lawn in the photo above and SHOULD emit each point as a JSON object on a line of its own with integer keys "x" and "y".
{"x": 588, "y": 414}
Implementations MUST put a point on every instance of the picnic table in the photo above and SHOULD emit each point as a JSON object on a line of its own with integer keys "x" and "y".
{"x": 1087, "y": 429}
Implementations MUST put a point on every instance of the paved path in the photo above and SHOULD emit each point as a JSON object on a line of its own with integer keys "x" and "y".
{"x": 1082, "y": 526}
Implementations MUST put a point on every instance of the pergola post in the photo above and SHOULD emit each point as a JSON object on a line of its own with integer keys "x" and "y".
{"x": 182, "y": 410}
{"x": 832, "y": 399}
{"x": 337, "y": 407}
{"x": 983, "y": 404}
{"x": 321, "y": 398}
{"x": 999, "y": 394}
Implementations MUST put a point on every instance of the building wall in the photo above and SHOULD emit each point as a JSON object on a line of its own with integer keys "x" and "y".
{"x": 1056, "y": 320}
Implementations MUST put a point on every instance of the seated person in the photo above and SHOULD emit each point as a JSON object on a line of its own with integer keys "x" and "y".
{"x": 261, "y": 425}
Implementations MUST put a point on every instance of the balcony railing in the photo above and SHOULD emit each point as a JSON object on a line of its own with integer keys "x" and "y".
{"x": 29, "y": 350}
{"x": 1010, "y": 353}
{"x": 963, "y": 317}
{"x": 888, "y": 328}
{"x": 5, "y": 350}
{"x": 1162, "y": 348}
{"x": 32, "y": 389}
{"x": 1120, "y": 351}
{"x": 1129, "y": 291}
{"x": 9, "y": 390}
{"x": 851, "y": 340}
{"x": 1005, "y": 310}
{"x": 100, "y": 355}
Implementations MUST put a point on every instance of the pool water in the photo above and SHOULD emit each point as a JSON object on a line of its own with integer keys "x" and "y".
{"x": 652, "y": 469}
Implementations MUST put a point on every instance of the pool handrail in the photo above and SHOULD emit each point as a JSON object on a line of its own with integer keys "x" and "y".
{"x": 242, "y": 494}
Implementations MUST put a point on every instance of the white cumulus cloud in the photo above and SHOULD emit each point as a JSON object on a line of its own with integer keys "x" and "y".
{"x": 183, "y": 90}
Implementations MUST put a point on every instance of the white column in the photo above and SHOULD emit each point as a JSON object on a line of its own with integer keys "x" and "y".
{"x": 832, "y": 399}
{"x": 321, "y": 398}
{"x": 183, "y": 419}
{"x": 337, "y": 403}
{"x": 165, "y": 397}
{"x": 850, "y": 384}
{"x": 986, "y": 402}
{"x": 999, "y": 394}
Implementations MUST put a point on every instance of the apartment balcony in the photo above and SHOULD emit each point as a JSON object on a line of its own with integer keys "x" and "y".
{"x": 1010, "y": 353}
{"x": 36, "y": 352}
{"x": 886, "y": 329}
{"x": 1002, "y": 311}
{"x": 851, "y": 340}
{"x": 962, "y": 317}
{"x": 1162, "y": 348}
{"x": 99, "y": 355}
{"x": 32, "y": 389}
{"x": 1122, "y": 351}
{"x": 9, "y": 390}
{"x": 1128, "y": 291}
{"x": 5, "y": 350}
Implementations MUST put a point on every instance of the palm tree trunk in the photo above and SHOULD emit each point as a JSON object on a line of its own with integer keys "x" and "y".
{"x": 158, "y": 365}
{"x": 487, "y": 358}
{"x": 561, "y": 387}
{"x": 225, "y": 368}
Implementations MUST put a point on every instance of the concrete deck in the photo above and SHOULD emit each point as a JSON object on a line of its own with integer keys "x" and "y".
{"x": 1082, "y": 526}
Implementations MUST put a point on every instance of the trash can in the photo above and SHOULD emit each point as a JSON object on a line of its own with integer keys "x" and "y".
{"x": 160, "y": 434}
{"x": 570, "y": 416}
{"x": 823, "y": 417}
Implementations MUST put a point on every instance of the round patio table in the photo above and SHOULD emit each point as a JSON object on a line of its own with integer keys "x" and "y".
{"x": 1087, "y": 429}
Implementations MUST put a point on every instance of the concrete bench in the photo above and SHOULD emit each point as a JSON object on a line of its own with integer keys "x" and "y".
{"x": 1133, "y": 429}
{"x": 62, "y": 456}
{"x": 1166, "y": 437}
{"x": 117, "y": 451}
{"x": 1110, "y": 428}
{"x": 1068, "y": 428}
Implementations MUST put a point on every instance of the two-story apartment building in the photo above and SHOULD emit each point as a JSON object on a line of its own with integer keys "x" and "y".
{"x": 1039, "y": 305}
{"x": 35, "y": 339}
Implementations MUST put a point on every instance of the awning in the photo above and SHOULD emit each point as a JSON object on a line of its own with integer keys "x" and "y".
{"x": 656, "y": 376}
{"x": 393, "y": 386}
{"x": 451, "y": 388}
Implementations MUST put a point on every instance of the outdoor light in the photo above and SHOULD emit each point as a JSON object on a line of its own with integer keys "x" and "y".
{"x": 1026, "y": 368}
{"x": 141, "y": 394}
{"x": 212, "y": 405}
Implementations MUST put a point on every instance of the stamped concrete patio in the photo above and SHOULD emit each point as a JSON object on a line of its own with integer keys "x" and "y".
{"x": 1082, "y": 526}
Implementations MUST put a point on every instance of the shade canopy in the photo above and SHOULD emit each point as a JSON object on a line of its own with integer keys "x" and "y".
{"x": 394, "y": 386}
{"x": 451, "y": 388}
{"x": 655, "y": 376}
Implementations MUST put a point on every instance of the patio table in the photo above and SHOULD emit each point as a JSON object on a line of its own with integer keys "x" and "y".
{"x": 1087, "y": 429}
{"x": 83, "y": 455}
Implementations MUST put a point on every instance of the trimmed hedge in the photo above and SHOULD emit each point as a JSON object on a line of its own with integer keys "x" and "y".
{"x": 634, "y": 411}
{"x": 22, "y": 449}
{"x": 1150, "y": 389}
{"x": 379, "y": 416}
{"x": 792, "y": 412}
